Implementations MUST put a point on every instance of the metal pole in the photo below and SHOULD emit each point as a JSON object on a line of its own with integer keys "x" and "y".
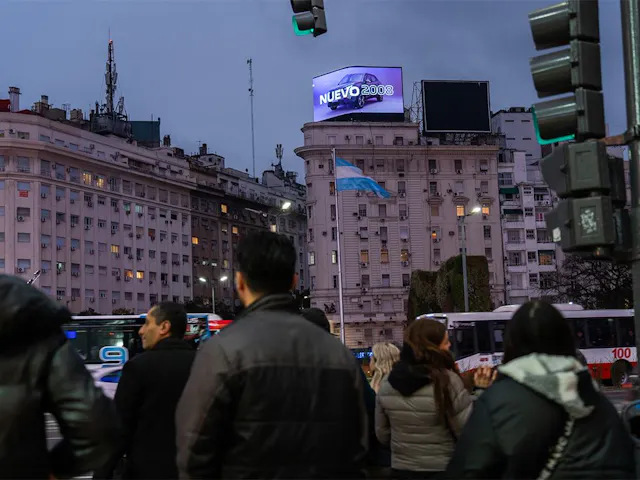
{"x": 630, "y": 14}
{"x": 342, "y": 333}
{"x": 213, "y": 296}
{"x": 253, "y": 142}
{"x": 465, "y": 280}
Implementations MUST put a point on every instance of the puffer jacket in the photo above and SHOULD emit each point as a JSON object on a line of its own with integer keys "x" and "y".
{"x": 407, "y": 418}
{"x": 272, "y": 396}
{"x": 521, "y": 417}
{"x": 41, "y": 372}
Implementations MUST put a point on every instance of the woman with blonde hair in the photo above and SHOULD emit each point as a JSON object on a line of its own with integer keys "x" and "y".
{"x": 384, "y": 357}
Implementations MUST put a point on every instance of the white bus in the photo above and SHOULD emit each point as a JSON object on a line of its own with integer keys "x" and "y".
{"x": 605, "y": 337}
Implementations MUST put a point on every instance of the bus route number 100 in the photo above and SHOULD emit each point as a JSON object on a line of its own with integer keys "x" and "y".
{"x": 621, "y": 353}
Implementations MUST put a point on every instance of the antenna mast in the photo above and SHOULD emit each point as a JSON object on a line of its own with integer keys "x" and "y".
{"x": 111, "y": 78}
{"x": 253, "y": 140}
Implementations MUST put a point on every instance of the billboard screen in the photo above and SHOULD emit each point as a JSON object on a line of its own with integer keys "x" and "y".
{"x": 456, "y": 106}
{"x": 354, "y": 91}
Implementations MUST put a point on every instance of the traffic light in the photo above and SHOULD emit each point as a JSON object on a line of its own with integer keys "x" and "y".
{"x": 309, "y": 17}
{"x": 590, "y": 216}
{"x": 573, "y": 23}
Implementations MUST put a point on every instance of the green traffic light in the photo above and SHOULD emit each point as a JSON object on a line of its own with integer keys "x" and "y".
{"x": 297, "y": 30}
{"x": 543, "y": 141}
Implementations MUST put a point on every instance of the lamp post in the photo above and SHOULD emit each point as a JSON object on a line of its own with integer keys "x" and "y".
{"x": 463, "y": 240}
{"x": 213, "y": 290}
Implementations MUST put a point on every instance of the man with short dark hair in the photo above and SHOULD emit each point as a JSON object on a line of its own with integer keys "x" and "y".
{"x": 148, "y": 392}
{"x": 271, "y": 396}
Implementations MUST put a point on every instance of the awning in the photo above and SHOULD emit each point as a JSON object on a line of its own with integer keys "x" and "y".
{"x": 513, "y": 211}
{"x": 509, "y": 190}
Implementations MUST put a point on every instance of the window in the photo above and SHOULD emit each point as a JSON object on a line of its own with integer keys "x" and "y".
{"x": 400, "y": 165}
{"x": 505, "y": 179}
{"x": 433, "y": 165}
{"x": 310, "y": 235}
{"x": 543, "y": 236}
{"x": 332, "y": 188}
{"x": 382, "y": 210}
{"x": 384, "y": 255}
{"x": 488, "y": 252}
{"x": 334, "y": 256}
{"x": 334, "y": 233}
{"x": 514, "y": 259}
{"x": 460, "y": 210}
{"x": 435, "y": 210}
{"x": 102, "y": 223}
{"x": 402, "y": 188}
{"x": 89, "y": 269}
{"x": 359, "y": 140}
{"x": 24, "y": 238}
{"x": 24, "y": 165}
{"x": 546, "y": 257}
{"x": 404, "y": 255}
{"x": 386, "y": 280}
{"x": 433, "y": 188}
{"x": 406, "y": 279}
{"x": 115, "y": 249}
{"x": 459, "y": 188}
{"x": 332, "y": 211}
{"x": 312, "y": 258}
{"x": 533, "y": 279}
{"x": 402, "y": 209}
{"x": 24, "y": 186}
{"x": 100, "y": 181}
{"x": 87, "y": 178}
{"x": 365, "y": 281}
{"x": 364, "y": 256}
{"x": 485, "y": 209}
{"x": 379, "y": 140}
{"x": 234, "y": 230}
{"x": 531, "y": 234}
{"x": 362, "y": 210}
{"x": 384, "y": 234}
{"x": 194, "y": 241}
{"x": 140, "y": 275}
{"x": 457, "y": 165}
{"x": 528, "y": 212}
{"x": 513, "y": 236}
{"x": 532, "y": 257}
{"x": 484, "y": 187}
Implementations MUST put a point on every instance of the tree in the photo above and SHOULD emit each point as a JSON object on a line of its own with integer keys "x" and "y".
{"x": 87, "y": 313}
{"x": 593, "y": 284}
{"x": 122, "y": 311}
{"x": 422, "y": 294}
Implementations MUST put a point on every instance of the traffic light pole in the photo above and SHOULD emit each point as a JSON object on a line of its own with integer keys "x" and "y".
{"x": 630, "y": 14}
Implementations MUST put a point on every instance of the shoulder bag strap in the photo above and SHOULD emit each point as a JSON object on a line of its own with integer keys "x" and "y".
{"x": 558, "y": 450}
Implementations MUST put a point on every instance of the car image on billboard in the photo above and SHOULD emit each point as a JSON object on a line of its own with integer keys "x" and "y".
{"x": 376, "y": 90}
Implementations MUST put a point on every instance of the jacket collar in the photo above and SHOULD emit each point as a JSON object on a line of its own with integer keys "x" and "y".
{"x": 171, "y": 343}
{"x": 280, "y": 302}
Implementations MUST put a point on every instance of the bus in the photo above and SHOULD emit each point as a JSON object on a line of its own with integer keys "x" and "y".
{"x": 606, "y": 338}
{"x": 110, "y": 340}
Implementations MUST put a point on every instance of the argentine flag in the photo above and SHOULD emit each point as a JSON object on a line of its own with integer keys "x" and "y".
{"x": 350, "y": 177}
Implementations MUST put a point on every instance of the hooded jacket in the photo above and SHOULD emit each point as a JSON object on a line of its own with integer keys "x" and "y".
{"x": 521, "y": 417}
{"x": 408, "y": 420}
{"x": 272, "y": 396}
{"x": 41, "y": 372}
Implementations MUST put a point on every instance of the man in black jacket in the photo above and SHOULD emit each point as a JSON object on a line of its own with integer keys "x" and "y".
{"x": 41, "y": 372}
{"x": 268, "y": 397}
{"x": 148, "y": 392}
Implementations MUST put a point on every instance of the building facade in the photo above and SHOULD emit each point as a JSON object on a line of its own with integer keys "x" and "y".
{"x": 384, "y": 240}
{"x": 227, "y": 204}
{"x": 106, "y": 222}
{"x": 531, "y": 258}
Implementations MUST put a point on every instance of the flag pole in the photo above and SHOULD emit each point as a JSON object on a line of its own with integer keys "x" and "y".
{"x": 340, "y": 300}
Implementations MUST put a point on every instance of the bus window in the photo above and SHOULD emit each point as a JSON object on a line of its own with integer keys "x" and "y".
{"x": 498, "y": 327}
{"x": 577, "y": 326}
{"x": 464, "y": 341}
{"x": 626, "y": 332}
{"x": 105, "y": 337}
{"x": 601, "y": 332}
{"x": 484, "y": 340}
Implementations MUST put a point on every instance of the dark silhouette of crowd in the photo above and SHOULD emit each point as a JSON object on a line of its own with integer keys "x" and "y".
{"x": 276, "y": 395}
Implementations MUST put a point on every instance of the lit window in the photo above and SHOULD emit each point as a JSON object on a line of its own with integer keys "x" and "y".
{"x": 384, "y": 256}
{"x": 234, "y": 230}
{"x": 128, "y": 273}
{"x": 334, "y": 256}
{"x": 224, "y": 208}
{"x": 100, "y": 181}
{"x": 485, "y": 209}
{"x": 460, "y": 210}
{"x": 274, "y": 228}
{"x": 312, "y": 258}
{"x": 364, "y": 256}
{"x": 115, "y": 249}
{"x": 140, "y": 275}
{"x": 87, "y": 178}
{"x": 194, "y": 240}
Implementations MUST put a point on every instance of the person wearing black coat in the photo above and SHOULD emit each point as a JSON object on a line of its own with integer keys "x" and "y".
{"x": 148, "y": 393}
{"x": 543, "y": 417}
{"x": 270, "y": 396}
{"x": 41, "y": 372}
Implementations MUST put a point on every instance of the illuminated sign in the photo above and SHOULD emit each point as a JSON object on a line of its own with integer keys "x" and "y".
{"x": 114, "y": 355}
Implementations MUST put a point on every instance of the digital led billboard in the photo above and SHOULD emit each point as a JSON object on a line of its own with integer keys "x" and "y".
{"x": 368, "y": 92}
{"x": 456, "y": 106}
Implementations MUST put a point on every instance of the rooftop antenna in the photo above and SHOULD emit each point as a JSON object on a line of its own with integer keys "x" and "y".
{"x": 253, "y": 143}
{"x": 111, "y": 77}
{"x": 279, "y": 152}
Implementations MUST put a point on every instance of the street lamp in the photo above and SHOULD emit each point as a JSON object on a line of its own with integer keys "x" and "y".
{"x": 463, "y": 240}
{"x": 213, "y": 290}
{"x": 285, "y": 206}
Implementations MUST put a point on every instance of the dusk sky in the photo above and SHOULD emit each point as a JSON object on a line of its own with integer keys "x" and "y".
{"x": 185, "y": 61}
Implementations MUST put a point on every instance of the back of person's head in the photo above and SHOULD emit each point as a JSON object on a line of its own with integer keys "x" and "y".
{"x": 27, "y": 315}
{"x": 316, "y": 316}
{"x": 266, "y": 265}
{"x": 172, "y": 313}
{"x": 538, "y": 327}
{"x": 384, "y": 355}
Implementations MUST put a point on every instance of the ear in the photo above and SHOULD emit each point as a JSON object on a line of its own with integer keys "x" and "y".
{"x": 241, "y": 286}
{"x": 294, "y": 282}
{"x": 165, "y": 327}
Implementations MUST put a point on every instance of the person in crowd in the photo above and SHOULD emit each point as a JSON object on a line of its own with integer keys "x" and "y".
{"x": 543, "y": 417}
{"x": 270, "y": 397}
{"x": 317, "y": 317}
{"x": 385, "y": 356}
{"x": 148, "y": 393}
{"x": 40, "y": 372}
{"x": 423, "y": 404}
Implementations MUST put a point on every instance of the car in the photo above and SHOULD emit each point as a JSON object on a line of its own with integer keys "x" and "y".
{"x": 107, "y": 378}
{"x": 357, "y": 80}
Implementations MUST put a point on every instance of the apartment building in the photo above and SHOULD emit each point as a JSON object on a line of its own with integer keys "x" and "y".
{"x": 384, "y": 240}
{"x": 106, "y": 222}
{"x": 227, "y": 204}
{"x": 531, "y": 258}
